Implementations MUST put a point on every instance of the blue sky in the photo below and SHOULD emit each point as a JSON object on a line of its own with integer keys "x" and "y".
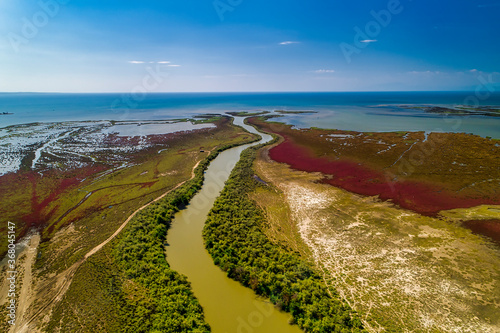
{"x": 248, "y": 45}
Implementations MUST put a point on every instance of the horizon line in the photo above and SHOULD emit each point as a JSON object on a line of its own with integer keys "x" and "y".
{"x": 242, "y": 92}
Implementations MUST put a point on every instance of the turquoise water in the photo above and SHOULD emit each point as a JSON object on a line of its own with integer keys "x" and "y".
{"x": 347, "y": 111}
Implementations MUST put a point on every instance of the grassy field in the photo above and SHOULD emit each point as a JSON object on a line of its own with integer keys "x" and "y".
{"x": 279, "y": 225}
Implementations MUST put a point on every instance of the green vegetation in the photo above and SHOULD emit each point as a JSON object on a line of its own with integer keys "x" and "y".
{"x": 459, "y": 110}
{"x": 234, "y": 237}
{"x": 136, "y": 289}
{"x": 169, "y": 305}
{"x": 140, "y": 255}
{"x": 120, "y": 182}
{"x": 207, "y": 118}
{"x": 133, "y": 287}
{"x": 127, "y": 286}
{"x": 295, "y": 112}
{"x": 246, "y": 113}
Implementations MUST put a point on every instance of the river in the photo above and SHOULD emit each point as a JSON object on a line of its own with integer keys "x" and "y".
{"x": 229, "y": 307}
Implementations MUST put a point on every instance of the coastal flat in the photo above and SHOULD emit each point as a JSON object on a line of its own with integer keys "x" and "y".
{"x": 77, "y": 202}
{"x": 399, "y": 269}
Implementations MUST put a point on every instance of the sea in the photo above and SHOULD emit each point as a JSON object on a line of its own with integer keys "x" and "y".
{"x": 356, "y": 111}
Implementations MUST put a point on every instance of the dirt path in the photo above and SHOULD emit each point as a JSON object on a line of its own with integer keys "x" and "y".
{"x": 100, "y": 246}
{"x": 26, "y": 289}
{"x": 88, "y": 197}
{"x": 65, "y": 278}
{"x": 26, "y": 259}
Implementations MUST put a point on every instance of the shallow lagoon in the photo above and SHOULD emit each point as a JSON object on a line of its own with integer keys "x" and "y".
{"x": 387, "y": 119}
{"x": 141, "y": 129}
{"x": 358, "y": 111}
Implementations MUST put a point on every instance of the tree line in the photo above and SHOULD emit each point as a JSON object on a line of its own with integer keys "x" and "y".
{"x": 233, "y": 236}
{"x": 167, "y": 303}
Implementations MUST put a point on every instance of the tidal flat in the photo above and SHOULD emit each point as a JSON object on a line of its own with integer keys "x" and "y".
{"x": 81, "y": 191}
{"x": 50, "y": 169}
{"x": 403, "y": 268}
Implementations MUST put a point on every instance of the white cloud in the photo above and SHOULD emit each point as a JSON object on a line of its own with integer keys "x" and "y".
{"x": 174, "y": 65}
{"x": 369, "y": 41}
{"x": 323, "y": 71}
{"x": 425, "y": 72}
{"x": 149, "y": 62}
{"x": 289, "y": 42}
{"x": 473, "y": 70}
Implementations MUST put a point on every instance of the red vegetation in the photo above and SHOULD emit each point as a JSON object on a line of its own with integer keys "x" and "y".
{"x": 149, "y": 184}
{"x": 423, "y": 198}
{"x": 38, "y": 205}
{"x": 60, "y": 183}
{"x": 489, "y": 228}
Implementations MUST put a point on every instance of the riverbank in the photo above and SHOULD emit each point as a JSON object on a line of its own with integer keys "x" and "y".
{"x": 228, "y": 306}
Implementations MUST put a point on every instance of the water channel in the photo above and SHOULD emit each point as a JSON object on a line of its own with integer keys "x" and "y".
{"x": 229, "y": 307}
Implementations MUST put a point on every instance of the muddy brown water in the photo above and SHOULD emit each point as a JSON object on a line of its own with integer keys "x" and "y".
{"x": 228, "y": 306}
